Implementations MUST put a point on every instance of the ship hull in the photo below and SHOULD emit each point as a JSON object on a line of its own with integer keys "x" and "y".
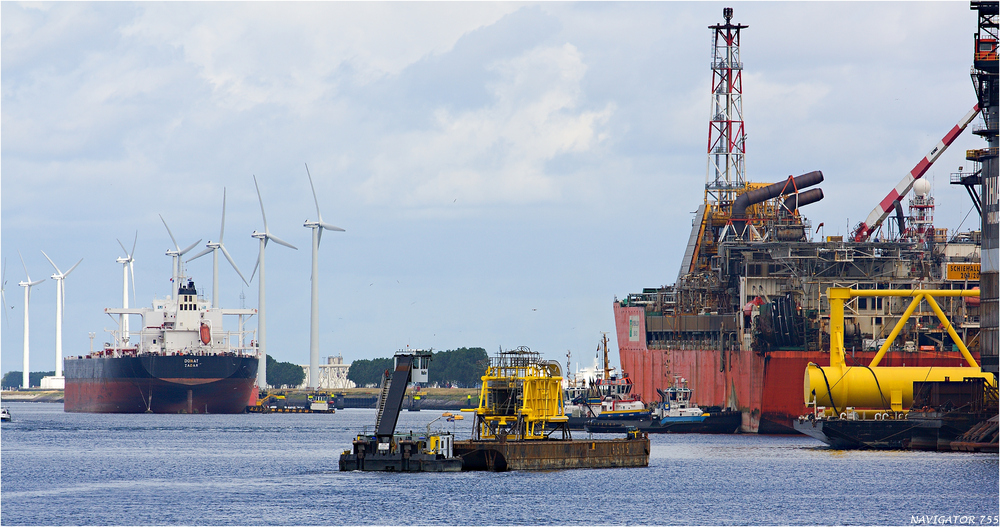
{"x": 218, "y": 384}
{"x": 767, "y": 388}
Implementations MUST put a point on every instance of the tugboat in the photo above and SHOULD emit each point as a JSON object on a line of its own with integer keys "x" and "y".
{"x": 675, "y": 414}
{"x": 386, "y": 451}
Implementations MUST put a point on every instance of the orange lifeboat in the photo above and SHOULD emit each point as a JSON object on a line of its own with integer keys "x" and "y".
{"x": 972, "y": 301}
{"x": 206, "y": 333}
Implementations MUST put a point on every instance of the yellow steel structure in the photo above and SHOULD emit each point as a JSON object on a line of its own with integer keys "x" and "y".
{"x": 879, "y": 387}
{"x": 520, "y": 395}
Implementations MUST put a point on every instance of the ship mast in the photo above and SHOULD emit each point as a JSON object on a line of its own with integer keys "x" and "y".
{"x": 726, "y": 138}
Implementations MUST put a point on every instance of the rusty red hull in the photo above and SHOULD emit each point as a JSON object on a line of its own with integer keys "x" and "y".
{"x": 767, "y": 388}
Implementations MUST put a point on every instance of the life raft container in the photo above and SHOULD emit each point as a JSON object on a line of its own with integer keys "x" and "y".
{"x": 206, "y": 333}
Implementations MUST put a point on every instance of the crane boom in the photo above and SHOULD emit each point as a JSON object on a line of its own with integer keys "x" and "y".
{"x": 885, "y": 207}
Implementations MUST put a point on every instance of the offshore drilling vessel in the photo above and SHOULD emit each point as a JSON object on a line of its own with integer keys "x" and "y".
{"x": 749, "y": 309}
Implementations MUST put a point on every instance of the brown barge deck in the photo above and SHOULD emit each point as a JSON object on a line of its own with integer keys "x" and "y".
{"x": 553, "y": 454}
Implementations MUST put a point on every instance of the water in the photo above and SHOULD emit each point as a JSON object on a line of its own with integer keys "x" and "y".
{"x": 281, "y": 469}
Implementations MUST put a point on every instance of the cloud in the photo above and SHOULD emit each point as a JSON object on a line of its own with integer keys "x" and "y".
{"x": 496, "y": 153}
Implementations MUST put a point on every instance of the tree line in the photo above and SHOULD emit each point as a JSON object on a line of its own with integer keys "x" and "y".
{"x": 461, "y": 368}
{"x": 13, "y": 379}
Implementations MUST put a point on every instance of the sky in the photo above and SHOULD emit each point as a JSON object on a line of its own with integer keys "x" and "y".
{"x": 503, "y": 171}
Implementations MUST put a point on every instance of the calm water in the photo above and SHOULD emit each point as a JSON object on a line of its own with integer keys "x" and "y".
{"x": 86, "y": 469}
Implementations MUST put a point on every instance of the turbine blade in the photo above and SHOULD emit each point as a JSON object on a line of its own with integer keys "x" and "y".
{"x": 282, "y": 242}
{"x": 262, "y": 215}
{"x": 319, "y": 236}
{"x": 255, "y": 268}
{"x": 176, "y": 247}
{"x": 319, "y": 216}
{"x": 71, "y": 268}
{"x": 51, "y": 262}
{"x": 230, "y": 258}
{"x": 199, "y": 255}
{"x": 36, "y": 282}
{"x": 122, "y": 246}
{"x": 22, "y": 265}
{"x": 222, "y": 229}
{"x": 329, "y": 227}
{"x": 189, "y": 247}
{"x": 136, "y": 239}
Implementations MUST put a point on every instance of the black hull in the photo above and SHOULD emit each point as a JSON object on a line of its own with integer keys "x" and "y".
{"x": 727, "y": 422}
{"x": 218, "y": 384}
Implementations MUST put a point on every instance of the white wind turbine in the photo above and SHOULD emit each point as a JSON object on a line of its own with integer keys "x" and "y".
{"x": 317, "y": 227}
{"x": 127, "y": 269}
{"x": 59, "y": 277}
{"x": 214, "y": 249}
{"x": 176, "y": 254}
{"x": 261, "y": 320}
{"x": 25, "y": 378}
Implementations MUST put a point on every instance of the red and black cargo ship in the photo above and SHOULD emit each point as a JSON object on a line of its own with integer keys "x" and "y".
{"x": 181, "y": 361}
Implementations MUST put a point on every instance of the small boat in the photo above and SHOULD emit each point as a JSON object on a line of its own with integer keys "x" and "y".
{"x": 5, "y": 414}
{"x": 675, "y": 413}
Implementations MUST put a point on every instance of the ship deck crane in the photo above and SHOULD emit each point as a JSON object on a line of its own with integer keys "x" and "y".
{"x": 885, "y": 207}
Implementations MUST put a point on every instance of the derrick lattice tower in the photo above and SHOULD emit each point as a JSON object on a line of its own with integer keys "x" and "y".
{"x": 726, "y": 137}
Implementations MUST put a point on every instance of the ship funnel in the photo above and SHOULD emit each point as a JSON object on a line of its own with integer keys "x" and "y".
{"x": 789, "y": 186}
{"x": 803, "y": 198}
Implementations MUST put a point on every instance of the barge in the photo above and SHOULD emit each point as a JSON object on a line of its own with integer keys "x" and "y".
{"x": 520, "y": 423}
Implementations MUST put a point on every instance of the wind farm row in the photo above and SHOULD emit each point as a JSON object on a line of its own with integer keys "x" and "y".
{"x": 177, "y": 255}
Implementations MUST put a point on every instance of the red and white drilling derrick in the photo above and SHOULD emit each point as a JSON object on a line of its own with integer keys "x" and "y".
{"x": 726, "y": 137}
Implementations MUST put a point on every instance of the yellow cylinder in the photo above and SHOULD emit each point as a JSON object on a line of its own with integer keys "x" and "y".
{"x": 889, "y": 388}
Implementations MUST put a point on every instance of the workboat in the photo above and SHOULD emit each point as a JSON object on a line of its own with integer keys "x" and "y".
{"x": 675, "y": 413}
{"x": 749, "y": 308}
{"x": 180, "y": 361}
{"x": 384, "y": 450}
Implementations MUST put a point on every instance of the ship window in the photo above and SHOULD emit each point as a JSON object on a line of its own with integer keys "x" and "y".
{"x": 862, "y": 303}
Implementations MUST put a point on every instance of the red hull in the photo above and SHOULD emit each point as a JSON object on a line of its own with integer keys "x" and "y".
{"x": 767, "y": 389}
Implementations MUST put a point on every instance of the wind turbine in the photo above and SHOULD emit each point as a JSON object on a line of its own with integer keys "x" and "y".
{"x": 261, "y": 320}
{"x": 60, "y": 305}
{"x": 127, "y": 269}
{"x": 176, "y": 254}
{"x": 214, "y": 249}
{"x": 25, "y": 378}
{"x": 317, "y": 227}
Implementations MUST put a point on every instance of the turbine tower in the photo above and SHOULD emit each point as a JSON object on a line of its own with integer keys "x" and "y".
{"x": 25, "y": 378}
{"x": 214, "y": 249}
{"x": 176, "y": 254}
{"x": 59, "y": 277}
{"x": 127, "y": 269}
{"x": 261, "y": 319}
{"x": 317, "y": 233}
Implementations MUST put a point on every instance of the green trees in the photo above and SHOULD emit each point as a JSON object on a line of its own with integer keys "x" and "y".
{"x": 13, "y": 378}
{"x": 284, "y": 373}
{"x": 365, "y": 372}
{"x": 462, "y": 367}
